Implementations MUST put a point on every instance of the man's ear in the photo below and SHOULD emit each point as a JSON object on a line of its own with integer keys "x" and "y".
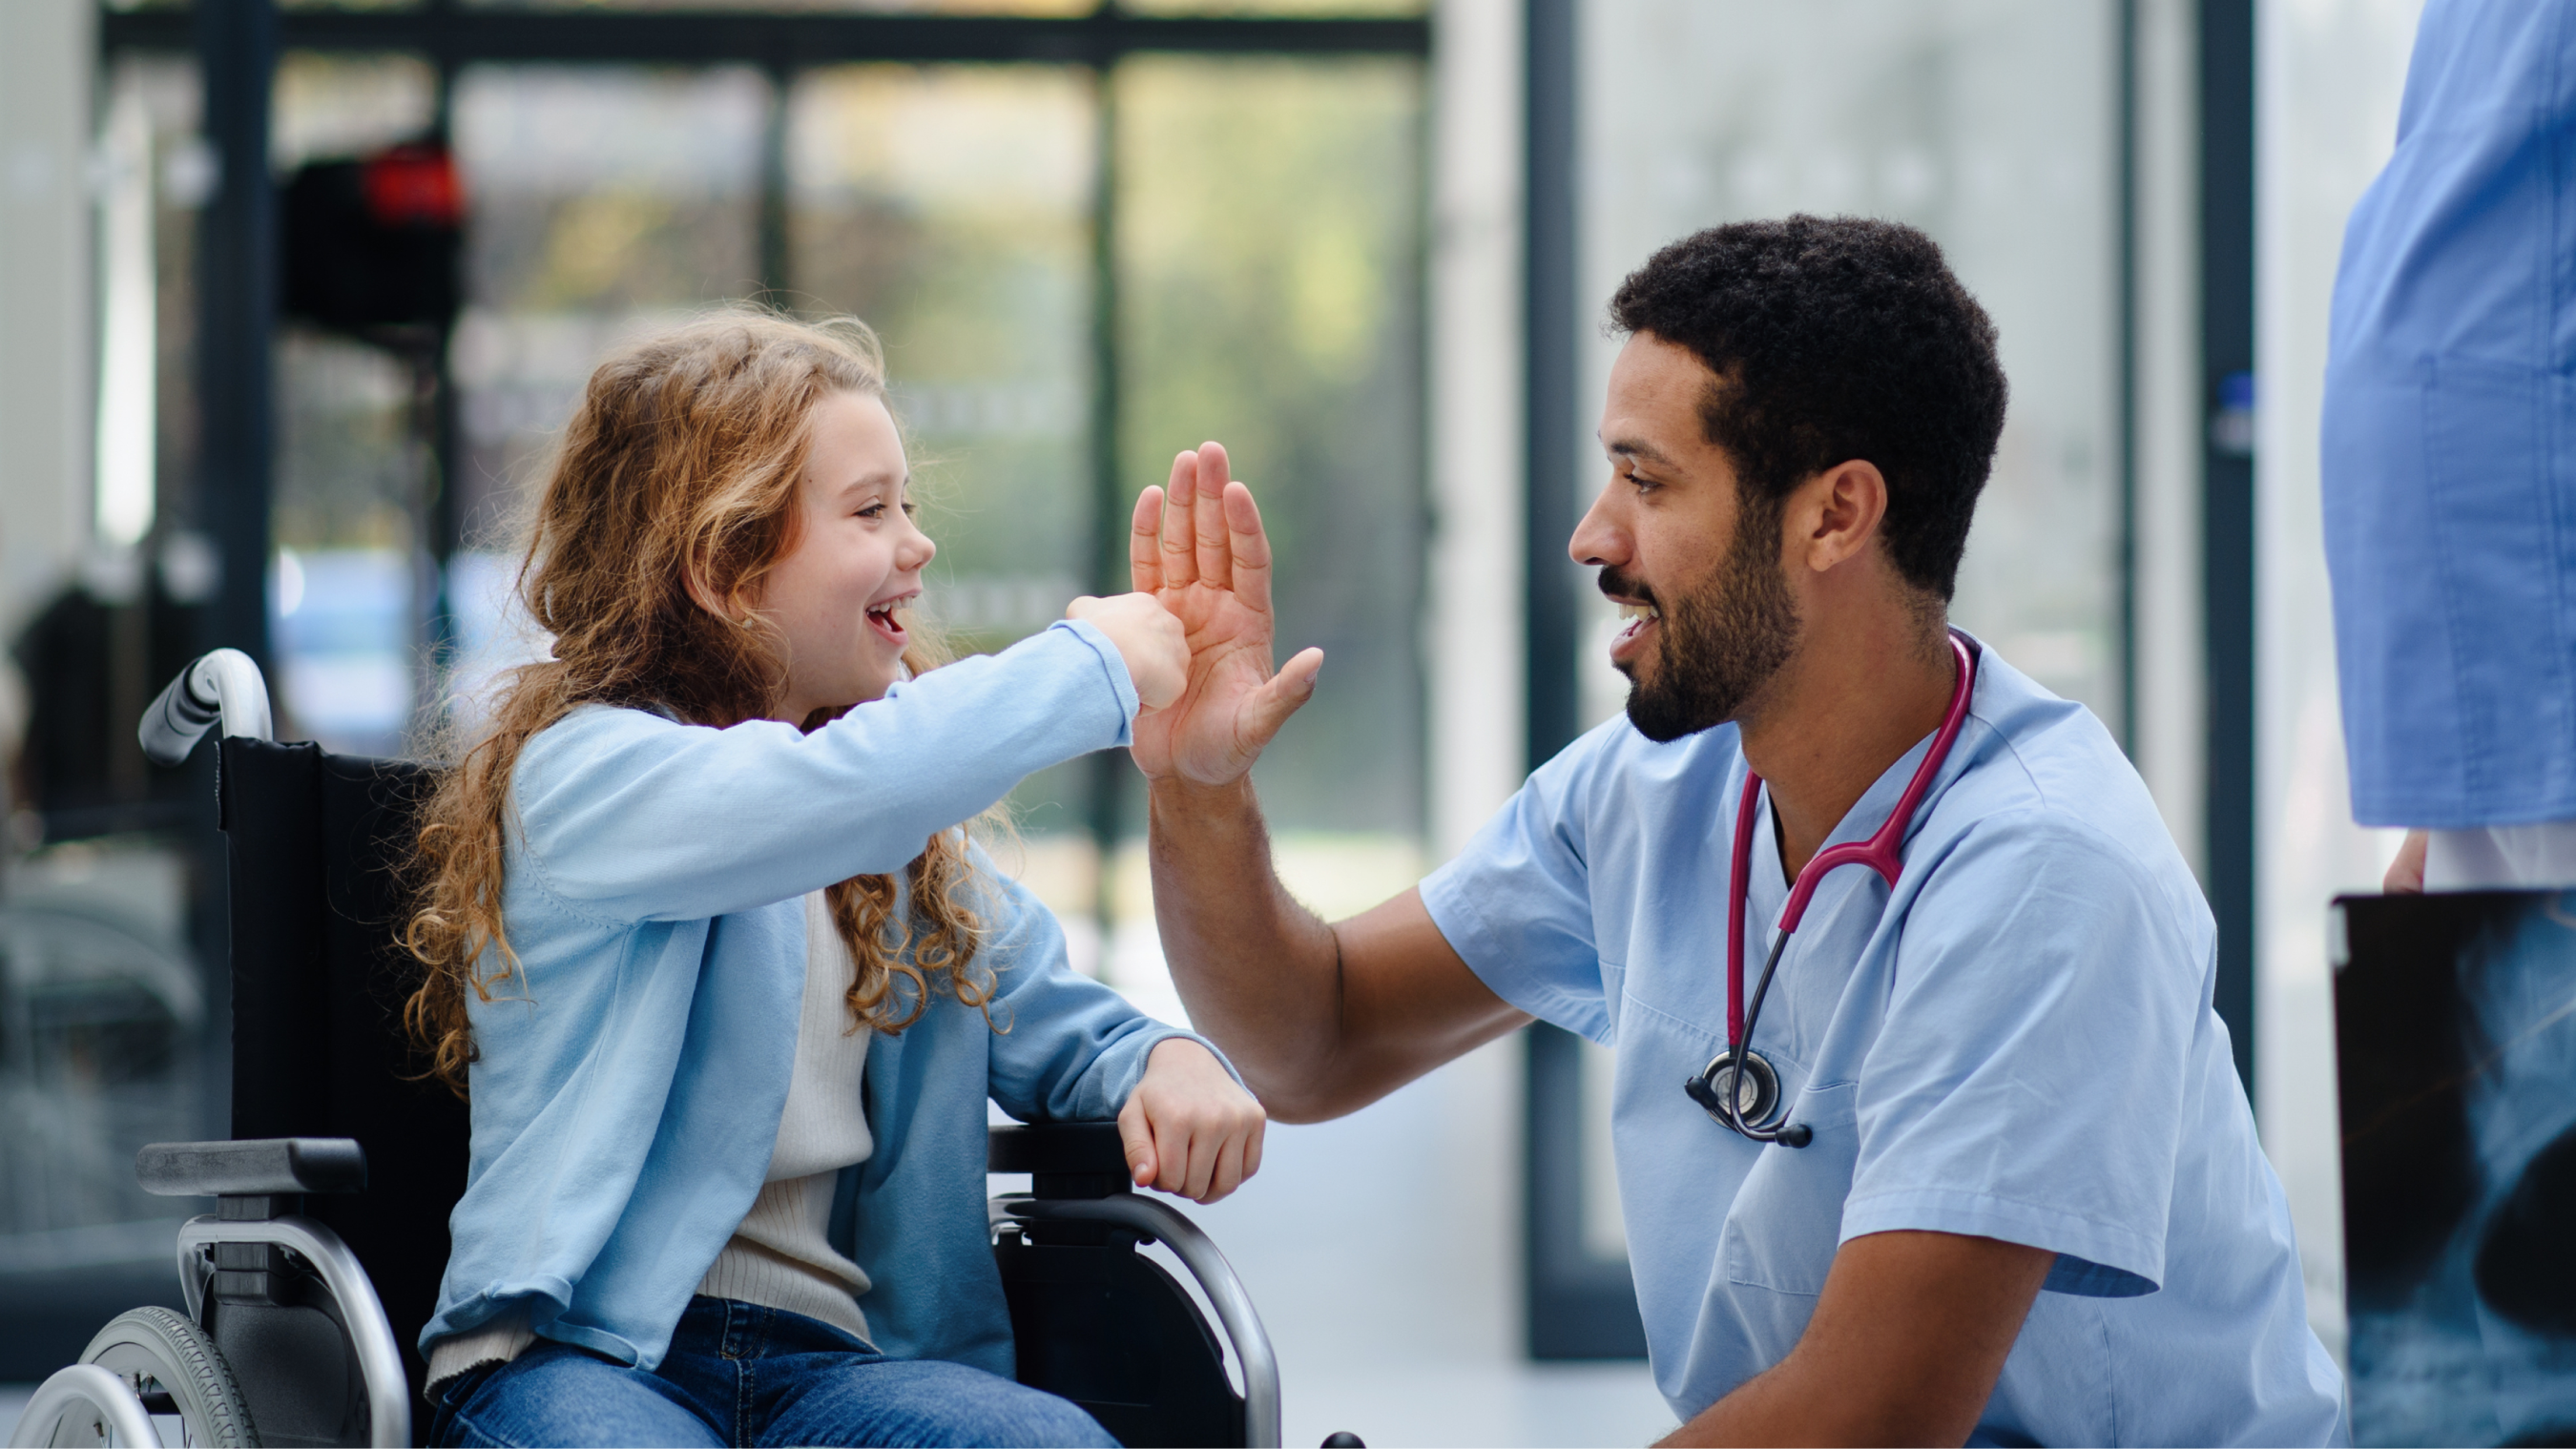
{"x": 1842, "y": 508}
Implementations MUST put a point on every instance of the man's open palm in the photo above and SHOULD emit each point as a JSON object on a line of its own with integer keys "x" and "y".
{"x": 1200, "y": 548}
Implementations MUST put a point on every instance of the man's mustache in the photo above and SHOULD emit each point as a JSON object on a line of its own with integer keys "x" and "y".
{"x": 1619, "y": 586}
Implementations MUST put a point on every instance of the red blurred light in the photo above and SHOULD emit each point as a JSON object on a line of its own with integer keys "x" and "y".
{"x": 414, "y": 185}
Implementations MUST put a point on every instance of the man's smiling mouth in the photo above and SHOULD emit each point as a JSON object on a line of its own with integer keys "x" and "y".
{"x": 1640, "y": 617}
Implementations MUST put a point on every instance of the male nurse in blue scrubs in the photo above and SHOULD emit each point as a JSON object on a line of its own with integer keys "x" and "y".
{"x": 2031, "y": 1208}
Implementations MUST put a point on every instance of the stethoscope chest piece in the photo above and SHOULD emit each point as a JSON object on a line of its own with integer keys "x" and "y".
{"x": 1756, "y": 1089}
{"x": 1748, "y": 1101}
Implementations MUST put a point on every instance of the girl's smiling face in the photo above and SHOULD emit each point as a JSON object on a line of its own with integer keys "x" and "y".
{"x": 856, "y": 561}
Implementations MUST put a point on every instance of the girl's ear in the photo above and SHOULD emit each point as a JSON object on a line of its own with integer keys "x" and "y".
{"x": 694, "y": 579}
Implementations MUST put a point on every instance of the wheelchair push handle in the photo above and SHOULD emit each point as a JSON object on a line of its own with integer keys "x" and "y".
{"x": 1063, "y": 1159}
{"x": 223, "y": 685}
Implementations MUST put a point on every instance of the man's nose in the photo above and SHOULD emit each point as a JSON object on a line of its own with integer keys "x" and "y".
{"x": 1600, "y": 538}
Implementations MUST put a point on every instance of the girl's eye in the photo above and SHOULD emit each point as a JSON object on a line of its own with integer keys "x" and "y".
{"x": 910, "y": 508}
{"x": 876, "y": 510}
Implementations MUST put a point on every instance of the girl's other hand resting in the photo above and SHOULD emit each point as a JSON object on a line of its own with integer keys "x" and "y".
{"x": 1148, "y": 637}
{"x": 1189, "y": 1129}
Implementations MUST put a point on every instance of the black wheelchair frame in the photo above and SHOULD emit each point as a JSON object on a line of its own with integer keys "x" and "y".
{"x": 309, "y": 1283}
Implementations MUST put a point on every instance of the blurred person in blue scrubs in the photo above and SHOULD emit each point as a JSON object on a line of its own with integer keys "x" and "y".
{"x": 2450, "y": 457}
{"x": 2029, "y": 1207}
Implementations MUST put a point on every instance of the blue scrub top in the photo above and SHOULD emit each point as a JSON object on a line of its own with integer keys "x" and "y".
{"x": 2016, "y": 1043}
{"x": 2450, "y": 433}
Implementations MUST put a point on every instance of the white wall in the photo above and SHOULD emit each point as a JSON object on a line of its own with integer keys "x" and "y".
{"x": 1473, "y": 649}
{"x": 48, "y": 53}
{"x": 2331, "y": 72}
{"x": 2171, "y": 747}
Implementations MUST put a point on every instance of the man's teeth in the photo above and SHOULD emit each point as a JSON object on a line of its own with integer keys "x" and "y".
{"x": 1640, "y": 611}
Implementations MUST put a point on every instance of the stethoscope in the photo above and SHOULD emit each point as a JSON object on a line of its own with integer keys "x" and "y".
{"x": 1750, "y": 1101}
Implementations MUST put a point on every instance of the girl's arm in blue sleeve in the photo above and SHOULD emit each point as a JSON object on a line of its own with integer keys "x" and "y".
{"x": 1065, "y": 1048}
{"x": 626, "y": 816}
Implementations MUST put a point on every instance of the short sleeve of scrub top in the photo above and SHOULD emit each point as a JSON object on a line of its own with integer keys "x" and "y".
{"x": 1516, "y": 905}
{"x": 2024, "y": 1084}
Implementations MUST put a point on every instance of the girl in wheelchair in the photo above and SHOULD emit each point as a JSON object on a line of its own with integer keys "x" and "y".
{"x": 708, "y": 939}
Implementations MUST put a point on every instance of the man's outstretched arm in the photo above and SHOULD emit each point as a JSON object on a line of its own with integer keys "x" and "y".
{"x": 1319, "y": 1019}
{"x": 1907, "y": 1340}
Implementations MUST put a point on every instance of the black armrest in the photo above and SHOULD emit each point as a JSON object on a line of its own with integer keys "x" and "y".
{"x": 261, "y": 1166}
{"x": 1064, "y": 1159}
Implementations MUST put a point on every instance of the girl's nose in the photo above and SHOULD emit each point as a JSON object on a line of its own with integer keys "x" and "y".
{"x": 915, "y": 550}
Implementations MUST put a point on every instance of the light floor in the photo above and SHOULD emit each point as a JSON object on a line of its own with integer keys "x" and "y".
{"x": 1383, "y": 1253}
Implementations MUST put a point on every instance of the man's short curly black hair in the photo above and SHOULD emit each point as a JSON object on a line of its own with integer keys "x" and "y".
{"x": 1835, "y": 339}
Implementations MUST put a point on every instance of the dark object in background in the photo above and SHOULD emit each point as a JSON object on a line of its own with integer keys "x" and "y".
{"x": 2455, "y": 1038}
{"x": 373, "y": 244}
{"x": 90, "y": 661}
{"x": 2403, "y": 1037}
{"x": 2524, "y": 1269}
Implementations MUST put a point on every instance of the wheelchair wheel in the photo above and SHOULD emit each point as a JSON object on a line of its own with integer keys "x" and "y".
{"x": 178, "y": 1370}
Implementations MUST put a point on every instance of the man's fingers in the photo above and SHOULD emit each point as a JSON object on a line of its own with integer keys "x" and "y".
{"x": 1145, "y": 543}
{"x": 1208, "y": 520}
{"x": 1179, "y": 542}
{"x": 1286, "y": 692}
{"x": 1247, "y": 548}
{"x": 1208, "y": 513}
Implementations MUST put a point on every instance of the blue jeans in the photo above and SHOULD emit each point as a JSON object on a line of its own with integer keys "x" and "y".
{"x": 738, "y": 1373}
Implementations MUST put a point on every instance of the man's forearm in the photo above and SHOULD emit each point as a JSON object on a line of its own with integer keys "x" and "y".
{"x": 1259, "y": 972}
{"x": 1906, "y": 1343}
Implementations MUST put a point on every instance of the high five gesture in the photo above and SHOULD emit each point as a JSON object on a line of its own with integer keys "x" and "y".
{"x": 1200, "y": 549}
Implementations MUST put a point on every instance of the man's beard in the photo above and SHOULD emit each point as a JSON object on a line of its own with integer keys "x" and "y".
{"x": 1717, "y": 645}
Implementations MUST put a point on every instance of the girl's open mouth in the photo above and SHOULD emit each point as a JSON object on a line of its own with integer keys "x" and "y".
{"x": 885, "y": 619}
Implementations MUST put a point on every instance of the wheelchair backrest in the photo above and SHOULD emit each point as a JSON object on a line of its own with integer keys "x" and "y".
{"x": 316, "y": 843}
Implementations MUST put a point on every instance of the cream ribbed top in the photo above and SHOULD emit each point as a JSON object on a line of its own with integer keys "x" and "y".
{"x": 781, "y": 1254}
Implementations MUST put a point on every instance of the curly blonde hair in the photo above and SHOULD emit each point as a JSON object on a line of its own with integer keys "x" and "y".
{"x": 675, "y": 476}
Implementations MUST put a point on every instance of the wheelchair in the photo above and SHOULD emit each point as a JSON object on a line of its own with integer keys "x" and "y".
{"x": 309, "y": 1283}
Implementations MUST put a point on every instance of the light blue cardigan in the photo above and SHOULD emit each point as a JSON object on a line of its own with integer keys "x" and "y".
{"x": 624, "y": 1106}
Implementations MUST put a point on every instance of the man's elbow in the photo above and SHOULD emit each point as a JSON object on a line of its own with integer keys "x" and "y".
{"x": 1295, "y": 1102}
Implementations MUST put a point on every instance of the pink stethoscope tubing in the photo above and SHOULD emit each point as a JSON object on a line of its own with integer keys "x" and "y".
{"x": 1879, "y": 852}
